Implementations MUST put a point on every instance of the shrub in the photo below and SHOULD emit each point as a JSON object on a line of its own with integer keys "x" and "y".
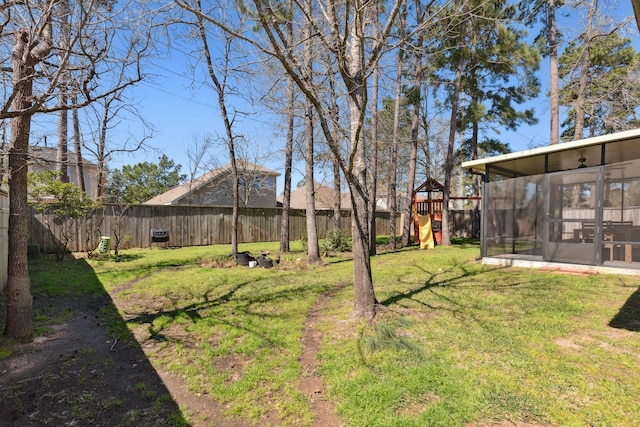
{"x": 335, "y": 241}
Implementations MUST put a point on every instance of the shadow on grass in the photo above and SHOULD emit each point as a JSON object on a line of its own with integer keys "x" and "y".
{"x": 194, "y": 312}
{"x": 83, "y": 367}
{"x": 465, "y": 242}
{"x": 440, "y": 279}
{"x": 629, "y": 315}
{"x": 125, "y": 257}
{"x": 190, "y": 311}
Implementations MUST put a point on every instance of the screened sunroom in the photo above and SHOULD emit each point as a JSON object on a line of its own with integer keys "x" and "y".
{"x": 576, "y": 202}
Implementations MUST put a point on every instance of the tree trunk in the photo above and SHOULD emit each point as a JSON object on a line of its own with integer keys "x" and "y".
{"x": 475, "y": 179}
{"x": 3, "y": 159}
{"x": 288, "y": 156}
{"x": 373, "y": 148}
{"x": 337, "y": 181}
{"x": 585, "y": 61}
{"x": 62, "y": 153}
{"x": 313, "y": 248}
{"x": 288, "y": 164}
{"x": 395, "y": 142}
{"x": 77, "y": 144}
{"x": 19, "y": 301}
{"x": 219, "y": 84}
{"x": 364, "y": 305}
{"x": 355, "y": 63}
{"x": 554, "y": 91}
{"x": 235, "y": 213}
{"x": 446, "y": 233}
{"x": 415, "y": 129}
{"x": 100, "y": 155}
{"x": 337, "y": 203}
{"x": 407, "y": 205}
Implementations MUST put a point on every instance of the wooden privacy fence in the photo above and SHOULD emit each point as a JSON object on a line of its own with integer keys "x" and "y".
{"x": 187, "y": 226}
{"x": 191, "y": 226}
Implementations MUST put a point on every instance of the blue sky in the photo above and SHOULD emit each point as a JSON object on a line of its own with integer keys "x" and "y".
{"x": 182, "y": 110}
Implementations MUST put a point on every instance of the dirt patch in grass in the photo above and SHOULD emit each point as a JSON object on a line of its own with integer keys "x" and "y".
{"x": 83, "y": 372}
{"x": 568, "y": 271}
{"x": 419, "y": 405}
{"x": 611, "y": 340}
{"x": 311, "y": 384}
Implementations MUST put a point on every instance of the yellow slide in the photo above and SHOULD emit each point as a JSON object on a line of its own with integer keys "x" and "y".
{"x": 426, "y": 233}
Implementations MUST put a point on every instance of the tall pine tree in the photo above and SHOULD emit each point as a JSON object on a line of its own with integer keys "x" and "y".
{"x": 612, "y": 88}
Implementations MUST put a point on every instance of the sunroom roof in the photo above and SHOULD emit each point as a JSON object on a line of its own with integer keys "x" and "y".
{"x": 616, "y": 147}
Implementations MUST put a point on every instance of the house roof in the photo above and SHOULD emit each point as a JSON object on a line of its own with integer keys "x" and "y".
{"x": 177, "y": 193}
{"x": 616, "y": 147}
{"x": 324, "y": 196}
{"x": 50, "y": 154}
{"x": 430, "y": 185}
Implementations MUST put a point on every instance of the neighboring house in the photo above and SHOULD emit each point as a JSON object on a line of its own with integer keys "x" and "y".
{"x": 257, "y": 188}
{"x": 44, "y": 158}
{"x": 325, "y": 198}
{"x": 382, "y": 200}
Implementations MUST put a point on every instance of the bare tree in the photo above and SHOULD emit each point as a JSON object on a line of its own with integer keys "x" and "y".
{"x": 63, "y": 17}
{"x": 414, "y": 100}
{"x": 313, "y": 247}
{"x": 455, "y": 98}
{"x": 395, "y": 139}
{"x": 200, "y": 162}
{"x": 36, "y": 67}
{"x": 253, "y": 181}
{"x": 110, "y": 111}
{"x": 118, "y": 213}
{"x": 25, "y": 59}
{"x": 373, "y": 146}
{"x": 219, "y": 77}
{"x": 288, "y": 162}
{"x": 334, "y": 108}
{"x": 77, "y": 145}
{"x": 288, "y": 168}
{"x": 345, "y": 30}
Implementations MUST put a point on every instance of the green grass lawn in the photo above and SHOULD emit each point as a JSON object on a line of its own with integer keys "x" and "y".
{"x": 456, "y": 343}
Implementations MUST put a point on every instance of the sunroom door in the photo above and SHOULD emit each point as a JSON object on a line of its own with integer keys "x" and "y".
{"x": 572, "y": 232}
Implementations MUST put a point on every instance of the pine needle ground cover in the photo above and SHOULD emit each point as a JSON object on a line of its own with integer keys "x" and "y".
{"x": 455, "y": 343}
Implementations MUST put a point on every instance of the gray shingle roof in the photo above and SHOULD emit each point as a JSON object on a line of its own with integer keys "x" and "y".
{"x": 177, "y": 193}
